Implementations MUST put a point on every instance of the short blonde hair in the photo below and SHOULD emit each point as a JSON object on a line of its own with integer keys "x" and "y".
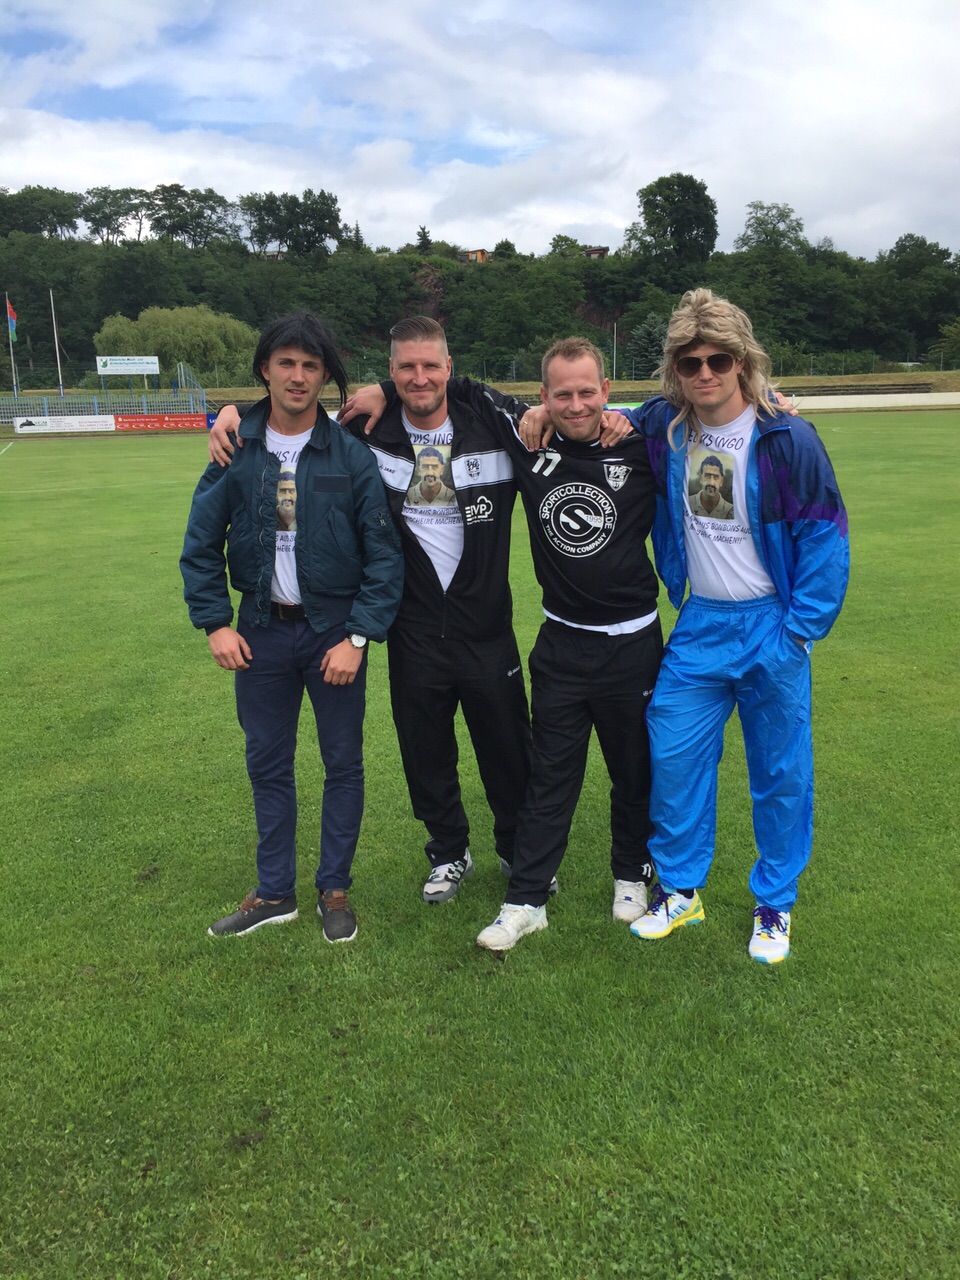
{"x": 571, "y": 349}
{"x": 417, "y": 329}
{"x": 703, "y": 317}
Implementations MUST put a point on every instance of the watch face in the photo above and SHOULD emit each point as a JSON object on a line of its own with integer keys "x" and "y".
{"x": 358, "y": 641}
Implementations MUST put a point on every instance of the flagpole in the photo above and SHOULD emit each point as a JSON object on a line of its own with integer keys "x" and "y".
{"x": 56, "y": 345}
{"x": 13, "y": 367}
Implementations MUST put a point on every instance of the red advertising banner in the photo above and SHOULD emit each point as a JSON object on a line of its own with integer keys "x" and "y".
{"x": 161, "y": 422}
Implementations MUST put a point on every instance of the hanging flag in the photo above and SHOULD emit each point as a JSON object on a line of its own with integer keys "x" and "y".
{"x": 12, "y": 321}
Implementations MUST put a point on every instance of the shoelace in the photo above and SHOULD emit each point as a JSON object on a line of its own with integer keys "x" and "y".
{"x": 336, "y": 902}
{"x": 448, "y": 871}
{"x": 658, "y": 900}
{"x": 770, "y": 920}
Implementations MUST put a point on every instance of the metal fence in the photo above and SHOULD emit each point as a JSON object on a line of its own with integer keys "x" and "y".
{"x": 192, "y": 401}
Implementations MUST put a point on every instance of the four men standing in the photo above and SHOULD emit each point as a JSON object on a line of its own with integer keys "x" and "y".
{"x": 767, "y": 566}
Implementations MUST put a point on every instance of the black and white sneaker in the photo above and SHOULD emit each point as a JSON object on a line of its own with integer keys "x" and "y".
{"x": 252, "y": 913}
{"x": 506, "y": 869}
{"x": 339, "y": 922}
{"x": 444, "y": 880}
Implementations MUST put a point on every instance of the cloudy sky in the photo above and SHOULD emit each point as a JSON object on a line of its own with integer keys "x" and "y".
{"x": 500, "y": 118}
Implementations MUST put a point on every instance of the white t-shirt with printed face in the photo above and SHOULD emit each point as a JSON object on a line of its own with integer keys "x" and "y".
{"x": 722, "y": 560}
{"x": 285, "y": 586}
{"x": 430, "y": 508}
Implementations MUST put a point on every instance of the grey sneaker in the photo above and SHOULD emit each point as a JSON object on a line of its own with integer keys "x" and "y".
{"x": 506, "y": 869}
{"x": 511, "y": 924}
{"x": 252, "y": 913}
{"x": 339, "y": 922}
{"x": 444, "y": 880}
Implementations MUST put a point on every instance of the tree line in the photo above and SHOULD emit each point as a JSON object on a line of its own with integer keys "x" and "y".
{"x": 117, "y": 252}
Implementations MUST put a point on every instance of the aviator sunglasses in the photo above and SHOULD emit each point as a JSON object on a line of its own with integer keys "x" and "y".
{"x": 689, "y": 366}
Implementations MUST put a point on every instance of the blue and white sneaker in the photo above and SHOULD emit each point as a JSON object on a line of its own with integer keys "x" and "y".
{"x": 666, "y": 912}
{"x": 444, "y": 880}
{"x": 771, "y": 935}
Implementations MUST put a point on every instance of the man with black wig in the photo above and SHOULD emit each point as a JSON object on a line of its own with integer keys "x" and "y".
{"x": 313, "y": 591}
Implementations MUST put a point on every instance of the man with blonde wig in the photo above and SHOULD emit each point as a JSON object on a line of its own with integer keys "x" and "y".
{"x": 765, "y": 582}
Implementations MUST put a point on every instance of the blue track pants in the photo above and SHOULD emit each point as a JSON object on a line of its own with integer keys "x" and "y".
{"x": 724, "y": 654}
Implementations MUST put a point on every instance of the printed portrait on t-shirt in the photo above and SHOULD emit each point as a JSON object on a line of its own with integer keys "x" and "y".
{"x": 710, "y": 488}
{"x": 432, "y": 480}
{"x": 287, "y": 501}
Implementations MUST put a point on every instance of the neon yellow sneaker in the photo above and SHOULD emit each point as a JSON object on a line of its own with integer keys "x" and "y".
{"x": 771, "y": 935}
{"x": 666, "y": 912}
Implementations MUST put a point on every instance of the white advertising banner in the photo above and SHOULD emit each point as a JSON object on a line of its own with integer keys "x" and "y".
{"x": 112, "y": 365}
{"x": 41, "y": 426}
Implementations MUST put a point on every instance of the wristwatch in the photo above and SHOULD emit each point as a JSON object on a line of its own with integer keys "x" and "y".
{"x": 358, "y": 642}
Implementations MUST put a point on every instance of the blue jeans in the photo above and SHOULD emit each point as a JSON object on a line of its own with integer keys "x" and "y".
{"x": 722, "y": 655}
{"x": 286, "y": 660}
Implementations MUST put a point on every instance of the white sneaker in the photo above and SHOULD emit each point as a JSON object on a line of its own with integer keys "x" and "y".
{"x": 510, "y": 925}
{"x": 771, "y": 935}
{"x": 629, "y": 900}
{"x": 444, "y": 880}
{"x": 666, "y": 912}
{"x": 505, "y": 869}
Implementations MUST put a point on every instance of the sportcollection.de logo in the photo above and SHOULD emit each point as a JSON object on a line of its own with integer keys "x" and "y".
{"x": 578, "y": 518}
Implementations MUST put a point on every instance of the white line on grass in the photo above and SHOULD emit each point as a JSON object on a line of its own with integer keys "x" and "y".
{"x": 5, "y": 448}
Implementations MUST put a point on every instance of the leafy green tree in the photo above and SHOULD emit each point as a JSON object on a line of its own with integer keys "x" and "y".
{"x": 424, "y": 243}
{"x": 353, "y": 240}
{"x": 362, "y": 295}
{"x": 32, "y": 265}
{"x": 566, "y": 247}
{"x": 135, "y": 275}
{"x": 945, "y": 352}
{"x": 504, "y": 249}
{"x": 46, "y": 211}
{"x": 771, "y": 226}
{"x": 195, "y": 217}
{"x": 140, "y": 212}
{"x": 678, "y": 222}
{"x": 645, "y": 348}
{"x": 195, "y": 335}
{"x": 313, "y": 221}
{"x": 916, "y": 290}
{"x": 263, "y": 216}
{"x": 106, "y": 211}
{"x": 444, "y": 249}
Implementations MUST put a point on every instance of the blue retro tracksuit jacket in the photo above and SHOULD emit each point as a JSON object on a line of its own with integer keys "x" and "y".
{"x": 797, "y": 517}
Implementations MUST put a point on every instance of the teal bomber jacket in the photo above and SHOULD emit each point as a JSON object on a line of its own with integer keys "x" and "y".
{"x": 349, "y": 563}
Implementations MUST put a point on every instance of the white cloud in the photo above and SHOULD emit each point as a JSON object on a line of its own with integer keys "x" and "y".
{"x": 486, "y": 121}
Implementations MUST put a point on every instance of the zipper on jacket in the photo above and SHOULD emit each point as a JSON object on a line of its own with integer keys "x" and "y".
{"x": 260, "y": 510}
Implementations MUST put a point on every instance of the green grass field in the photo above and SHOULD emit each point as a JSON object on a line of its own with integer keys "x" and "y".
{"x": 176, "y": 1106}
